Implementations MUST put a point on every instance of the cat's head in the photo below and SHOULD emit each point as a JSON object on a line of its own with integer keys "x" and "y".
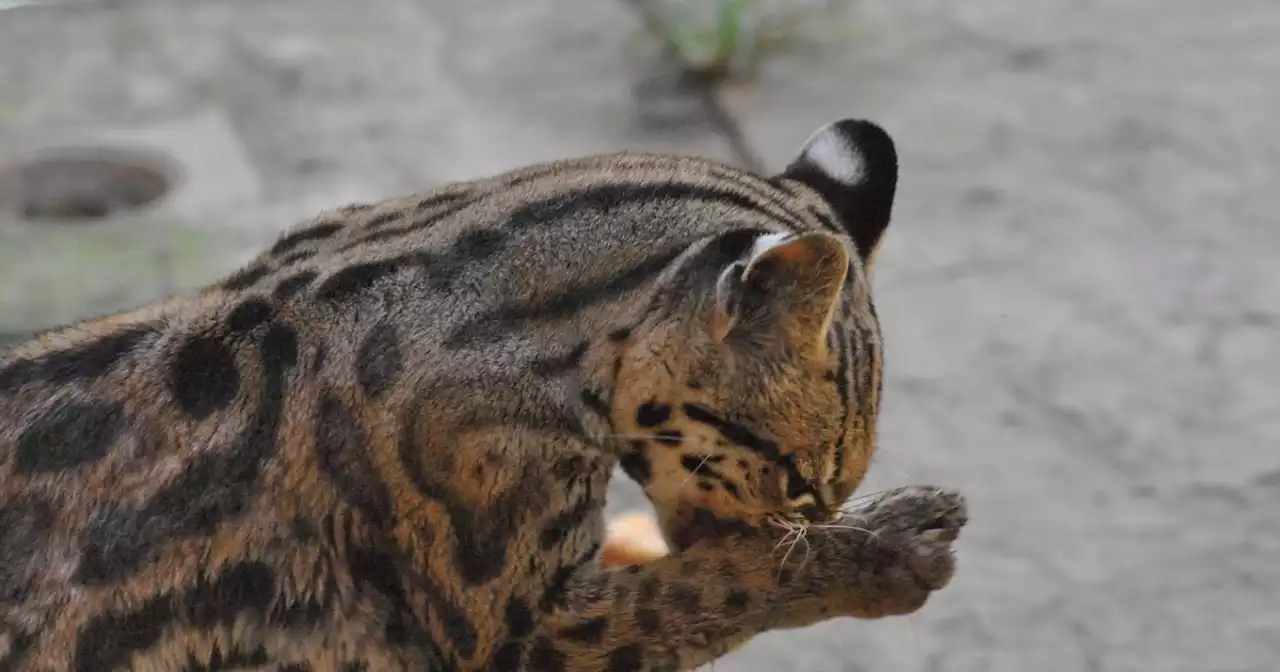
{"x": 754, "y": 392}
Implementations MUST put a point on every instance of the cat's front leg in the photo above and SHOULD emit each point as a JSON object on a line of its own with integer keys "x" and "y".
{"x": 685, "y": 609}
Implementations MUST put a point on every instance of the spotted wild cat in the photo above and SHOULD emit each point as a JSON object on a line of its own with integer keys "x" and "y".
{"x": 384, "y": 444}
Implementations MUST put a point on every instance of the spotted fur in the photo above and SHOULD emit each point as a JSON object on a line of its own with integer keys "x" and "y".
{"x": 385, "y": 442}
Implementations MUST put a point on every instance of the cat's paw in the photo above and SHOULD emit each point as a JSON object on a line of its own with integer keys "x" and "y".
{"x": 900, "y": 548}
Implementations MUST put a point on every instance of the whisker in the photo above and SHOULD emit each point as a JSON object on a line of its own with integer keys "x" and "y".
{"x": 796, "y": 533}
{"x": 836, "y": 526}
{"x": 791, "y": 549}
{"x": 875, "y": 536}
{"x": 784, "y": 540}
{"x": 790, "y": 528}
{"x": 786, "y": 556}
{"x": 781, "y": 524}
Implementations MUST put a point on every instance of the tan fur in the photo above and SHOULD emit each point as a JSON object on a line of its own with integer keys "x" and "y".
{"x": 385, "y": 443}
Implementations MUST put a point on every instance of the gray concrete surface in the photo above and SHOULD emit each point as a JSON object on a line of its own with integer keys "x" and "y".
{"x": 1081, "y": 292}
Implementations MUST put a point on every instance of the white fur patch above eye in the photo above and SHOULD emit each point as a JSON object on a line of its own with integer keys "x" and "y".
{"x": 831, "y": 152}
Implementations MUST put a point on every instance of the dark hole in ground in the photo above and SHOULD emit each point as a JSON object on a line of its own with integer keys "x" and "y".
{"x": 85, "y": 186}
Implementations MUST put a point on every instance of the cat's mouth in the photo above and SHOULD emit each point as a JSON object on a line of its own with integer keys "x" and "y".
{"x": 694, "y": 525}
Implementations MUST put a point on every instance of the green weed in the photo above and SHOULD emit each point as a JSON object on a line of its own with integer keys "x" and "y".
{"x": 728, "y": 39}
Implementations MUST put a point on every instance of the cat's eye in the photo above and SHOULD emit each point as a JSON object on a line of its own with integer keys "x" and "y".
{"x": 804, "y": 500}
{"x": 807, "y": 506}
{"x": 807, "y": 502}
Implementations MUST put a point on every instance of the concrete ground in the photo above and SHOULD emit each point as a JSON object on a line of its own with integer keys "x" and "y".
{"x": 1081, "y": 291}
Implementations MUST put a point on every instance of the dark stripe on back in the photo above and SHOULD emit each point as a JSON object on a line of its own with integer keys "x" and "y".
{"x": 554, "y": 365}
{"x": 422, "y": 223}
{"x": 606, "y": 197}
{"x": 292, "y": 240}
{"x": 356, "y": 278}
{"x": 84, "y": 361}
{"x": 296, "y": 257}
{"x": 438, "y": 200}
{"x": 246, "y": 277}
{"x": 380, "y": 220}
{"x": 442, "y": 268}
{"x": 766, "y": 192}
{"x": 493, "y": 324}
{"x": 769, "y": 194}
{"x": 293, "y": 284}
{"x": 377, "y": 236}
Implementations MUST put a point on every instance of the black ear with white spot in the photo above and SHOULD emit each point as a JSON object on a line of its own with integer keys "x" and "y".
{"x": 854, "y": 166}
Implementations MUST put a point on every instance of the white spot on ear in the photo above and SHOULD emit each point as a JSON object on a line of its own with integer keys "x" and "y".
{"x": 830, "y": 151}
{"x": 767, "y": 242}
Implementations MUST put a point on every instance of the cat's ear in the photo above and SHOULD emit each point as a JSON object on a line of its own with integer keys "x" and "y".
{"x": 787, "y": 286}
{"x": 853, "y": 165}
